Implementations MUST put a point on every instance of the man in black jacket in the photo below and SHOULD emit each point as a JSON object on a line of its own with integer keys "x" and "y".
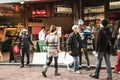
{"x": 103, "y": 48}
{"x": 74, "y": 47}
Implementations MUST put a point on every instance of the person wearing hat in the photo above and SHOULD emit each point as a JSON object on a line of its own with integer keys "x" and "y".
{"x": 25, "y": 41}
{"x": 84, "y": 37}
{"x": 74, "y": 48}
{"x": 102, "y": 48}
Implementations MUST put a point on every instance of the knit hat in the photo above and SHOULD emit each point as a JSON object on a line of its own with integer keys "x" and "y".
{"x": 74, "y": 26}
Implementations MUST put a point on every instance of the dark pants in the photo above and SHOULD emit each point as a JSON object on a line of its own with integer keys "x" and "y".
{"x": 55, "y": 60}
{"x": 86, "y": 57}
{"x": 25, "y": 50}
{"x": 107, "y": 61}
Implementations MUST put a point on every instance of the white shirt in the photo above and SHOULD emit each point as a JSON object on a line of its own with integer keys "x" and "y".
{"x": 41, "y": 35}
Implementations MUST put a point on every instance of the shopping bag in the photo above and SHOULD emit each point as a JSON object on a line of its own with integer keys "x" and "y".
{"x": 16, "y": 49}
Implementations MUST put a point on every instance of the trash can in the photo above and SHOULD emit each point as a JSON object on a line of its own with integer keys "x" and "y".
{"x": 42, "y": 46}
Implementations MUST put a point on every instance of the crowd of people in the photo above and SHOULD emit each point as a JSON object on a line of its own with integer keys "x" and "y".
{"x": 79, "y": 41}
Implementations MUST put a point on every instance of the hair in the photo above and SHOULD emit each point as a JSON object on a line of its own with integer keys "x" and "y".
{"x": 52, "y": 28}
{"x": 104, "y": 22}
{"x": 42, "y": 27}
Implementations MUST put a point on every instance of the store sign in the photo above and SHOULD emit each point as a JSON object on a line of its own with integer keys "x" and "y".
{"x": 115, "y": 5}
{"x": 6, "y": 12}
{"x": 63, "y": 9}
{"x": 96, "y": 9}
{"x": 12, "y": 1}
{"x": 39, "y": 13}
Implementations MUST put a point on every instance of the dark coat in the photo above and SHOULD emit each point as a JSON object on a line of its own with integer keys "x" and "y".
{"x": 25, "y": 41}
{"x": 102, "y": 44}
{"x": 115, "y": 31}
{"x": 74, "y": 44}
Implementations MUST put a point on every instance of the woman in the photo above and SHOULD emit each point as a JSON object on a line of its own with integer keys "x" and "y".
{"x": 52, "y": 41}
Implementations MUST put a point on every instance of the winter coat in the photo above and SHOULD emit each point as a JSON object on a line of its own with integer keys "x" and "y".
{"x": 102, "y": 44}
{"x": 115, "y": 31}
{"x": 25, "y": 41}
{"x": 74, "y": 44}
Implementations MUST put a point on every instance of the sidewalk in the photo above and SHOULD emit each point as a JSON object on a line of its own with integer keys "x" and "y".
{"x": 13, "y": 72}
{"x": 93, "y": 60}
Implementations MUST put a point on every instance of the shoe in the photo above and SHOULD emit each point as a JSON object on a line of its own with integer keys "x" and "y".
{"x": 119, "y": 72}
{"x": 115, "y": 71}
{"x": 80, "y": 67}
{"x": 88, "y": 68}
{"x": 94, "y": 76}
{"x": 77, "y": 72}
{"x": 109, "y": 78}
{"x": 68, "y": 68}
{"x": 57, "y": 74}
{"x": 44, "y": 74}
{"x": 21, "y": 66}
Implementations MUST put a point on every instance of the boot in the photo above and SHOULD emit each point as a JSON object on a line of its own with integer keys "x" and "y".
{"x": 56, "y": 72}
{"x": 44, "y": 71}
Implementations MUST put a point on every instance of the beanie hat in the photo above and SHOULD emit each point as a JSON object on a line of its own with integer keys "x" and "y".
{"x": 104, "y": 22}
{"x": 74, "y": 26}
{"x": 80, "y": 22}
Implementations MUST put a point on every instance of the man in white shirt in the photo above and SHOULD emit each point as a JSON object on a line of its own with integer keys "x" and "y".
{"x": 41, "y": 35}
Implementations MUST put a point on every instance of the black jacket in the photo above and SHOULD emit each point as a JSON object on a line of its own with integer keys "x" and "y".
{"x": 74, "y": 44}
{"x": 25, "y": 41}
{"x": 115, "y": 31}
{"x": 102, "y": 44}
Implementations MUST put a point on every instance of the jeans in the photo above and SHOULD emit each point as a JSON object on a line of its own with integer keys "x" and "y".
{"x": 107, "y": 61}
{"x": 26, "y": 51}
{"x": 75, "y": 62}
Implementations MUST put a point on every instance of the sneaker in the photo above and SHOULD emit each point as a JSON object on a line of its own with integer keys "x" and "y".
{"x": 88, "y": 68}
{"x": 77, "y": 72}
{"x": 21, "y": 66}
{"x": 115, "y": 71}
{"x": 68, "y": 68}
{"x": 119, "y": 72}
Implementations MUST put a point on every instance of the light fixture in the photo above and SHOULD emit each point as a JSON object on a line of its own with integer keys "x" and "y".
{"x": 118, "y": 2}
{"x": 22, "y": 2}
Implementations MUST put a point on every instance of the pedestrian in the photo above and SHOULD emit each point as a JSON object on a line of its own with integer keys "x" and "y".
{"x": 103, "y": 48}
{"x": 25, "y": 41}
{"x": 52, "y": 41}
{"x": 41, "y": 35}
{"x": 117, "y": 65}
{"x": 84, "y": 34}
{"x": 74, "y": 48}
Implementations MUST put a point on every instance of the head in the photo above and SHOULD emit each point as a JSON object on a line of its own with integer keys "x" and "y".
{"x": 75, "y": 28}
{"x": 80, "y": 22}
{"x": 42, "y": 27}
{"x": 24, "y": 31}
{"x": 104, "y": 22}
{"x": 52, "y": 28}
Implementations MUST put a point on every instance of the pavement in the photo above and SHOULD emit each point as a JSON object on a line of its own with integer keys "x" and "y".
{"x": 12, "y": 71}
{"x": 92, "y": 58}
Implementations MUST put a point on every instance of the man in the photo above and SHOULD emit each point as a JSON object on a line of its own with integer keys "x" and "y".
{"x": 41, "y": 35}
{"x": 103, "y": 48}
{"x": 84, "y": 37}
{"x": 74, "y": 47}
{"x": 25, "y": 41}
